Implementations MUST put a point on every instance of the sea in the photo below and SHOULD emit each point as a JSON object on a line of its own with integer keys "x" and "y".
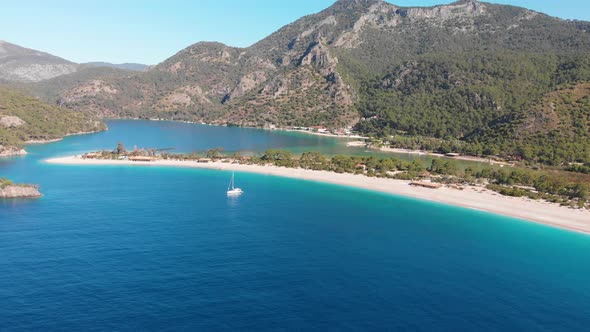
{"x": 120, "y": 248}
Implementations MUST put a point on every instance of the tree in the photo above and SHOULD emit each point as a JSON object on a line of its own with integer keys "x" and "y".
{"x": 121, "y": 148}
{"x": 417, "y": 165}
{"x": 447, "y": 167}
{"x": 312, "y": 160}
{"x": 343, "y": 164}
{"x": 215, "y": 153}
{"x": 278, "y": 157}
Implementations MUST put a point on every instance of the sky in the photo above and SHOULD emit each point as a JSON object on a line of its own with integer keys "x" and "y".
{"x": 149, "y": 31}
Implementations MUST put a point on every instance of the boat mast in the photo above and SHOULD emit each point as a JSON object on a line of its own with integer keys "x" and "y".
{"x": 231, "y": 182}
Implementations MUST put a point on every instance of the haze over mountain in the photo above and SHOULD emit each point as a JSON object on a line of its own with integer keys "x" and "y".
{"x": 124, "y": 66}
{"x": 26, "y": 65}
{"x": 20, "y": 64}
{"x": 456, "y": 72}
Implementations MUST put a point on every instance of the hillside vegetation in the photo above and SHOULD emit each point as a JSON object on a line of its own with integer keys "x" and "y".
{"x": 23, "y": 118}
{"x": 522, "y": 106}
{"x": 470, "y": 77}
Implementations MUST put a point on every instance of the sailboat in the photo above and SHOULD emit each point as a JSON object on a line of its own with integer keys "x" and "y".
{"x": 231, "y": 190}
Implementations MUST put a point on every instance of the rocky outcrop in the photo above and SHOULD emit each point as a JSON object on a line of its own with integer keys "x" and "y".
{"x": 19, "y": 191}
{"x": 318, "y": 55}
{"x": 330, "y": 20}
{"x": 460, "y": 9}
{"x": 89, "y": 88}
{"x": 184, "y": 97}
{"x": 382, "y": 15}
{"x": 11, "y": 121}
{"x": 8, "y": 151}
{"x": 247, "y": 83}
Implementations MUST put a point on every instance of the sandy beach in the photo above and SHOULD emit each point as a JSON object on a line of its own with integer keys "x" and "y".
{"x": 427, "y": 153}
{"x": 472, "y": 197}
{"x": 321, "y": 134}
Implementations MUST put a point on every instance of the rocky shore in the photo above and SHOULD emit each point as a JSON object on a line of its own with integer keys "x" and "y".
{"x": 8, "y": 151}
{"x": 19, "y": 191}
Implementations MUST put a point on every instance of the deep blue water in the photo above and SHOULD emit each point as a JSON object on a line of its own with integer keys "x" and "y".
{"x": 151, "y": 248}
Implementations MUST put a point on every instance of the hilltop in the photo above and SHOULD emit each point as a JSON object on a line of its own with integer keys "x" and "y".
{"x": 23, "y": 65}
{"x": 26, "y": 65}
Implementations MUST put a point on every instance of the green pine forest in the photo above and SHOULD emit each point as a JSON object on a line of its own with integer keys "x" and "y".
{"x": 41, "y": 121}
{"x": 529, "y": 107}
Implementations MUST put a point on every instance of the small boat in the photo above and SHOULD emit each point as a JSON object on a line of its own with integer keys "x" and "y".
{"x": 231, "y": 190}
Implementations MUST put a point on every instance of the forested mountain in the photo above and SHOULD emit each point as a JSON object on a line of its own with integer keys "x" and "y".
{"x": 520, "y": 105}
{"x": 554, "y": 130}
{"x": 23, "y": 119}
{"x": 471, "y": 73}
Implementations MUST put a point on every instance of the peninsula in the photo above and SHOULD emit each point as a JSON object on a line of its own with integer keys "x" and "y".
{"x": 26, "y": 120}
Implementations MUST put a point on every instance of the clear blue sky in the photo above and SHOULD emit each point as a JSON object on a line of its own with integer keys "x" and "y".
{"x": 149, "y": 31}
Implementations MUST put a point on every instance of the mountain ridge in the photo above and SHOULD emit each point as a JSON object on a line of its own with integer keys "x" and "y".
{"x": 319, "y": 69}
{"x": 27, "y": 65}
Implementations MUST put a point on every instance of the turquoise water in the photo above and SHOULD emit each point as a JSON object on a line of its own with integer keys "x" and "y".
{"x": 152, "y": 248}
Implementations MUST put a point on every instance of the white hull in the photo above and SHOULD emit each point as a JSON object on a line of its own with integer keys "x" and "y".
{"x": 234, "y": 192}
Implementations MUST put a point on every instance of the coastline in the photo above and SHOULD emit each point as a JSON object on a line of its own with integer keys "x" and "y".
{"x": 349, "y": 137}
{"x": 477, "y": 198}
{"x": 45, "y": 141}
{"x": 11, "y": 152}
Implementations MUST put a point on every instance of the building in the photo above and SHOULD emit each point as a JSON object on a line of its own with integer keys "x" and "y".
{"x": 142, "y": 158}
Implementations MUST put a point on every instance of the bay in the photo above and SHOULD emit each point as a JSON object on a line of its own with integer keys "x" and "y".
{"x": 154, "y": 248}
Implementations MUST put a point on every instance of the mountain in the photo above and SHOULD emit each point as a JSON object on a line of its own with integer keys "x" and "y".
{"x": 450, "y": 72}
{"x": 23, "y": 119}
{"x": 25, "y": 65}
{"x": 554, "y": 129}
{"x": 523, "y": 106}
{"x": 124, "y": 66}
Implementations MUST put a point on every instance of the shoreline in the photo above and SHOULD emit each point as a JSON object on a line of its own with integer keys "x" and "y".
{"x": 12, "y": 152}
{"x": 350, "y": 137}
{"x": 476, "y": 198}
{"x": 352, "y": 141}
{"x": 45, "y": 141}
